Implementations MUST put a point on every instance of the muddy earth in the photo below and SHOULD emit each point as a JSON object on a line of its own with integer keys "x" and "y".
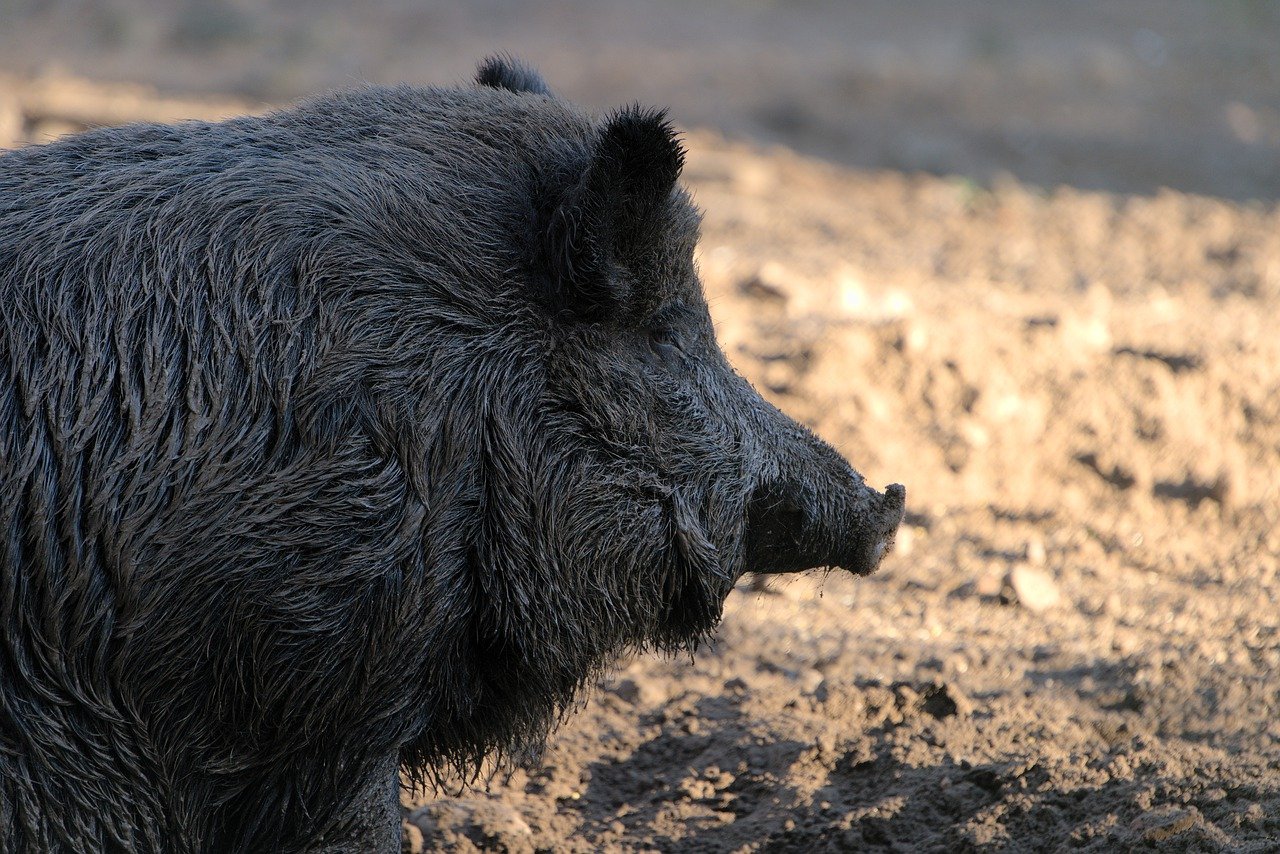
{"x": 1077, "y": 642}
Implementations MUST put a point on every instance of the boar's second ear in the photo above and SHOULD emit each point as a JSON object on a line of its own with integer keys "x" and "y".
{"x": 613, "y": 208}
{"x": 505, "y": 72}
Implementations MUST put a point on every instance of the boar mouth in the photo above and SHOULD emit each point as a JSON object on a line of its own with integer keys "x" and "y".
{"x": 790, "y": 529}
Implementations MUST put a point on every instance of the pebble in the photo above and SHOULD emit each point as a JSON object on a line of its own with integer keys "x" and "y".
{"x": 627, "y": 690}
{"x": 1034, "y": 589}
{"x": 988, "y": 584}
{"x": 695, "y": 789}
{"x": 1160, "y": 824}
{"x": 638, "y": 692}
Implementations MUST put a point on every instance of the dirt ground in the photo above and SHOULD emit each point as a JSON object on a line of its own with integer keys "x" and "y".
{"x": 1077, "y": 643}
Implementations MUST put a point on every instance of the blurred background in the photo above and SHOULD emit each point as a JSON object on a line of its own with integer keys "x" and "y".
{"x": 1126, "y": 96}
{"x": 1022, "y": 256}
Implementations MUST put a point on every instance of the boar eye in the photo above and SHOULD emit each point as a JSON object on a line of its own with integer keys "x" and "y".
{"x": 665, "y": 343}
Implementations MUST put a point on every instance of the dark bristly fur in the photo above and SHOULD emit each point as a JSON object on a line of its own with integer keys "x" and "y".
{"x": 505, "y": 72}
{"x": 357, "y": 435}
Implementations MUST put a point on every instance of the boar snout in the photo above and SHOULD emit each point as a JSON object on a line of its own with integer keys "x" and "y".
{"x": 876, "y": 539}
{"x": 819, "y": 512}
{"x": 794, "y": 526}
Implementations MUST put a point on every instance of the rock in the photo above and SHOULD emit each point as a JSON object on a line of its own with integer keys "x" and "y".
{"x": 637, "y": 692}
{"x": 904, "y": 542}
{"x": 1034, "y": 589}
{"x": 1162, "y": 823}
{"x": 771, "y": 284}
{"x": 988, "y": 584}
{"x": 754, "y": 177}
{"x": 628, "y": 690}
{"x": 1084, "y": 335}
{"x": 719, "y": 779}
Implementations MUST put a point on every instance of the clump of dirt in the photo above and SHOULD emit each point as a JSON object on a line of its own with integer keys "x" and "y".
{"x": 1078, "y": 641}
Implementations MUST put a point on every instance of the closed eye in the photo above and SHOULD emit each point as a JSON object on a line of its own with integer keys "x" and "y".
{"x": 666, "y": 344}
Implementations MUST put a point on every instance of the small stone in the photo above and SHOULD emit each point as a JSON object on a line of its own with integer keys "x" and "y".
{"x": 822, "y": 692}
{"x": 988, "y": 585}
{"x": 637, "y": 692}
{"x": 906, "y": 696}
{"x": 771, "y": 284}
{"x": 1162, "y": 823}
{"x": 1034, "y": 589}
{"x": 754, "y": 177}
{"x": 1083, "y": 335}
{"x": 719, "y": 779}
{"x": 627, "y": 690}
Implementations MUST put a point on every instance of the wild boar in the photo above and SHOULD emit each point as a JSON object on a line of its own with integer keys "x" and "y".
{"x": 359, "y": 437}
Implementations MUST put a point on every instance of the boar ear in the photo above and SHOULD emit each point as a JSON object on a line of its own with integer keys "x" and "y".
{"x": 505, "y": 72}
{"x": 613, "y": 208}
{"x": 640, "y": 155}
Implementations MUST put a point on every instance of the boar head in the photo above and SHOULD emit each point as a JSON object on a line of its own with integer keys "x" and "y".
{"x": 630, "y": 475}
